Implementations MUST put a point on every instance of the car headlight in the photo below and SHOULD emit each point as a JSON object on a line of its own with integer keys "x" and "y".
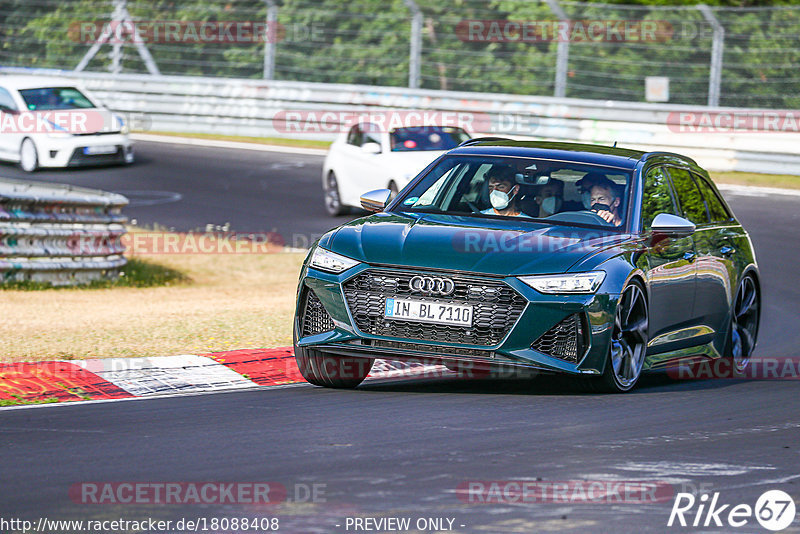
{"x": 124, "y": 129}
{"x": 566, "y": 283}
{"x": 325, "y": 260}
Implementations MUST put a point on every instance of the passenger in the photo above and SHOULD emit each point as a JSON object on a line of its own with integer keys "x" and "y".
{"x": 503, "y": 193}
{"x": 550, "y": 197}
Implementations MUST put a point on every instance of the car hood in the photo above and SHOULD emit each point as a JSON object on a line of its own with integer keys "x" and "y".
{"x": 463, "y": 243}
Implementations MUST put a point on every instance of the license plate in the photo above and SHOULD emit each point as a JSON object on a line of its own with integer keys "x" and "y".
{"x": 99, "y": 149}
{"x": 428, "y": 312}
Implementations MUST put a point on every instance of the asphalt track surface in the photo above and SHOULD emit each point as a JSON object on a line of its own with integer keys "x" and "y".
{"x": 401, "y": 448}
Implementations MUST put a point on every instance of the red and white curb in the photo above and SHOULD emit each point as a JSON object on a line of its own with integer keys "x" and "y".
{"x": 119, "y": 378}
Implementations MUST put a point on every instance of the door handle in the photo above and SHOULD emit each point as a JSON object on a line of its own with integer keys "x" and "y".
{"x": 726, "y": 250}
{"x": 689, "y": 256}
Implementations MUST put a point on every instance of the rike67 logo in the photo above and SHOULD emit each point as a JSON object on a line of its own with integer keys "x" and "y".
{"x": 774, "y": 510}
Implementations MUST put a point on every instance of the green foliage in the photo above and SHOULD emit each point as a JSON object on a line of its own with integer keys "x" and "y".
{"x": 367, "y": 42}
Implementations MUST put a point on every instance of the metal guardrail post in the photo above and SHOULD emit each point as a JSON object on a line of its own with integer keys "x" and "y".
{"x": 271, "y": 40}
{"x": 120, "y": 19}
{"x": 415, "y": 47}
{"x": 717, "y": 48}
{"x": 59, "y": 234}
{"x": 562, "y": 52}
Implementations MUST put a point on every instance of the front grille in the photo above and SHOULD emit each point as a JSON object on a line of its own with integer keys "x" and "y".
{"x": 496, "y": 307}
{"x": 566, "y": 340}
{"x": 433, "y": 349}
{"x": 315, "y": 319}
{"x": 79, "y": 158}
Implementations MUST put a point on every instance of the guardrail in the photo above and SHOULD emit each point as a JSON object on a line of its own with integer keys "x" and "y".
{"x": 59, "y": 234}
{"x": 251, "y": 107}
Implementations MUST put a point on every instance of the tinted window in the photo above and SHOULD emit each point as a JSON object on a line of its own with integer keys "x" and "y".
{"x": 657, "y": 197}
{"x": 427, "y": 138}
{"x": 355, "y": 136}
{"x": 6, "y": 100}
{"x": 48, "y": 98}
{"x": 689, "y": 197}
{"x": 715, "y": 207}
{"x": 464, "y": 185}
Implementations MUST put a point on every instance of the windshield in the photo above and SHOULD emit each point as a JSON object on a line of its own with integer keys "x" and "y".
{"x": 55, "y": 98}
{"x": 426, "y": 138}
{"x": 548, "y": 191}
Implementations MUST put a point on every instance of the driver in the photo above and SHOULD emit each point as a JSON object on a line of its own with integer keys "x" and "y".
{"x": 605, "y": 201}
{"x": 503, "y": 192}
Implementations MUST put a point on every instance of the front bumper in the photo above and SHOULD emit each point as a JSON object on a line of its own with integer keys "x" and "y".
{"x": 76, "y": 150}
{"x": 540, "y": 315}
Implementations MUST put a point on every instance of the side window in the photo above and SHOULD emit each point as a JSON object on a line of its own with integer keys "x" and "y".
{"x": 6, "y": 99}
{"x": 657, "y": 197}
{"x": 371, "y": 134}
{"x": 715, "y": 206}
{"x": 354, "y": 136}
{"x": 689, "y": 196}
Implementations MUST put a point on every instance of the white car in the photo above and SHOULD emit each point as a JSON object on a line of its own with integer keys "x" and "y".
{"x": 52, "y": 123}
{"x": 366, "y": 158}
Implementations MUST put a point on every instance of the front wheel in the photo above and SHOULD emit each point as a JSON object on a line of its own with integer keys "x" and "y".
{"x": 628, "y": 342}
{"x": 321, "y": 369}
{"x": 28, "y": 157}
{"x": 333, "y": 201}
{"x": 743, "y": 330}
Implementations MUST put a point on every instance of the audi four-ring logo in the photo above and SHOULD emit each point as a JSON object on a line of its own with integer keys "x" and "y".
{"x": 432, "y": 285}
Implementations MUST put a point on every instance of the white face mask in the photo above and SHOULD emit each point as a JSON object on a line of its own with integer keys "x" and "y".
{"x": 551, "y": 204}
{"x": 499, "y": 200}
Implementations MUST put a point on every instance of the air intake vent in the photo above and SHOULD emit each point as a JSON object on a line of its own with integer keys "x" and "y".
{"x": 315, "y": 319}
{"x": 566, "y": 340}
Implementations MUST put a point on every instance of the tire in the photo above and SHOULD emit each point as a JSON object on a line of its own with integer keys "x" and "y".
{"x": 628, "y": 344}
{"x": 743, "y": 329}
{"x": 28, "y": 157}
{"x": 333, "y": 201}
{"x": 322, "y": 369}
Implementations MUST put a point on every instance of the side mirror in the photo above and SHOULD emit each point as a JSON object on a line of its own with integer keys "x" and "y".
{"x": 9, "y": 110}
{"x": 371, "y": 148}
{"x": 375, "y": 201}
{"x": 667, "y": 225}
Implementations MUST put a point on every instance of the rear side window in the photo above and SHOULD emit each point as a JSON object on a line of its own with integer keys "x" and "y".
{"x": 715, "y": 206}
{"x": 689, "y": 197}
{"x": 657, "y": 197}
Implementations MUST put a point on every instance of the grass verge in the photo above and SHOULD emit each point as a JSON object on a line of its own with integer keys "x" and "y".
{"x": 136, "y": 273}
{"x": 785, "y": 181}
{"x": 278, "y": 141}
{"x": 215, "y": 302}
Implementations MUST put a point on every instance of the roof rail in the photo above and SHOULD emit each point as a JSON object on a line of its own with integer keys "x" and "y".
{"x": 475, "y": 140}
{"x": 661, "y": 153}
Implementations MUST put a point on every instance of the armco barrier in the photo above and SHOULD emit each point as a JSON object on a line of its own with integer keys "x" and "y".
{"x": 248, "y": 107}
{"x": 59, "y": 234}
